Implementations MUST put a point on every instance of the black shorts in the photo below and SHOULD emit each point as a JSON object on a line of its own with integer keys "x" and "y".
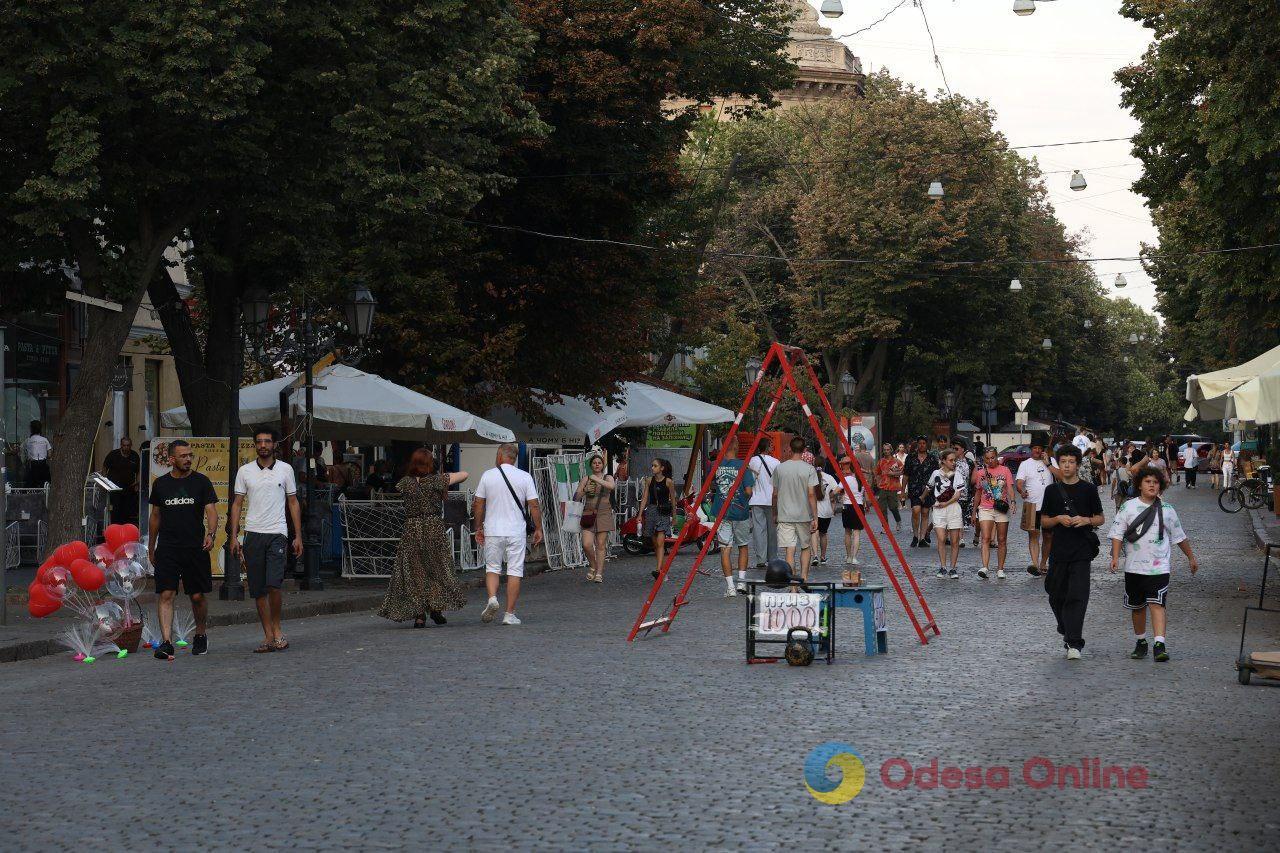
{"x": 191, "y": 566}
{"x": 916, "y": 500}
{"x": 824, "y": 524}
{"x": 1141, "y": 590}
{"x": 849, "y": 518}
{"x": 264, "y": 561}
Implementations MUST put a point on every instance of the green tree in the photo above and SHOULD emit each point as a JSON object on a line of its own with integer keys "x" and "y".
{"x": 527, "y": 311}
{"x": 1205, "y": 92}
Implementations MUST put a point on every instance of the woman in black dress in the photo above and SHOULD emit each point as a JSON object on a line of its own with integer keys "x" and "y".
{"x": 657, "y": 508}
{"x": 423, "y": 582}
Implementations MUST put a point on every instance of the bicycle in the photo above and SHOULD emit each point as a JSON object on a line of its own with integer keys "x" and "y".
{"x": 1250, "y": 493}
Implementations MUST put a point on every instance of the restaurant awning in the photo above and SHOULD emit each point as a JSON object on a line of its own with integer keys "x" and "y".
{"x": 351, "y": 405}
{"x": 640, "y": 404}
{"x": 1207, "y": 392}
{"x": 1257, "y": 400}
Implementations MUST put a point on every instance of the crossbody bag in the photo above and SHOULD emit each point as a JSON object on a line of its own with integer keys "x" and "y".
{"x": 1140, "y": 525}
{"x": 1090, "y": 535}
{"x": 528, "y": 522}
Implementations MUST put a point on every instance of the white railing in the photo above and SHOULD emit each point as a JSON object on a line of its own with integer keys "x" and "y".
{"x": 371, "y": 532}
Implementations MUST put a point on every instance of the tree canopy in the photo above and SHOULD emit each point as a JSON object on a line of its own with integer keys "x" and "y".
{"x": 1205, "y": 92}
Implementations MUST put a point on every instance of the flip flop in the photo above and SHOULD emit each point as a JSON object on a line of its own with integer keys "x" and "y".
{"x": 281, "y": 644}
{"x": 263, "y": 649}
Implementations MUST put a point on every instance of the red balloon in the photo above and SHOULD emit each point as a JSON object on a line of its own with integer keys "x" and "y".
{"x": 62, "y": 555}
{"x": 131, "y": 532}
{"x": 90, "y": 577}
{"x": 41, "y": 594}
{"x": 40, "y": 610}
{"x": 78, "y": 571}
{"x": 115, "y": 535}
{"x": 78, "y": 551}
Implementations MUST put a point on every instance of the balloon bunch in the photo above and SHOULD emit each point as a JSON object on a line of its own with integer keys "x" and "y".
{"x": 75, "y": 576}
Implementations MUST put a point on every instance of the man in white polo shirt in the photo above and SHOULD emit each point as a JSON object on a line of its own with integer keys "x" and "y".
{"x": 764, "y": 532}
{"x": 506, "y": 506}
{"x": 269, "y": 485}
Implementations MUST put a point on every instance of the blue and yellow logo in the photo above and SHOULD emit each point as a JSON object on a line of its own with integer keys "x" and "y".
{"x": 824, "y": 761}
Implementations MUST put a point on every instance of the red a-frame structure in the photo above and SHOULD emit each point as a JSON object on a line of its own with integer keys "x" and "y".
{"x": 789, "y": 359}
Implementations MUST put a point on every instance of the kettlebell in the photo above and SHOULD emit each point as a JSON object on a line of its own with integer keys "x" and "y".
{"x": 777, "y": 574}
{"x": 799, "y": 652}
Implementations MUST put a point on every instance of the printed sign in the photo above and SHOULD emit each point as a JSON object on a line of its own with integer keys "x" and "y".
{"x": 779, "y": 611}
{"x": 210, "y": 459}
{"x": 670, "y": 435}
{"x": 863, "y": 433}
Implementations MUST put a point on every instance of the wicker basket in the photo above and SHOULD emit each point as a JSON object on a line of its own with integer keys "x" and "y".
{"x": 129, "y": 637}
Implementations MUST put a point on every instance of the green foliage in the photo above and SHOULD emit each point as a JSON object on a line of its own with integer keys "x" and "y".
{"x": 828, "y": 240}
{"x": 1206, "y": 94}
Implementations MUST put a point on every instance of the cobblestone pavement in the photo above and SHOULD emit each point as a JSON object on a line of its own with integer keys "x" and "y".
{"x": 559, "y": 735}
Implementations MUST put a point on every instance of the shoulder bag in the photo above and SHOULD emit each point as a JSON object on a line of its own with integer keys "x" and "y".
{"x": 1142, "y": 523}
{"x": 528, "y": 522}
{"x": 1090, "y": 535}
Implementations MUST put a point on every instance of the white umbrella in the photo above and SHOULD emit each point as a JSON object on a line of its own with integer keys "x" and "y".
{"x": 351, "y": 405}
{"x": 1207, "y": 392}
{"x": 640, "y": 405}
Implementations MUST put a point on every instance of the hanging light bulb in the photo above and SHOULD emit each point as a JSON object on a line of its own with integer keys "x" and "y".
{"x": 832, "y": 8}
{"x": 1088, "y": 324}
{"x": 1126, "y": 359}
{"x": 1133, "y": 337}
{"x": 1077, "y": 181}
{"x": 1015, "y": 285}
{"x": 1046, "y": 344}
{"x": 1121, "y": 281}
{"x": 1024, "y": 7}
{"x": 935, "y": 190}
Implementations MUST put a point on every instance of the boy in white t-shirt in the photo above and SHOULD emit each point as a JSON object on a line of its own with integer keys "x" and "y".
{"x": 764, "y": 533}
{"x": 827, "y": 505}
{"x": 505, "y": 502}
{"x": 1147, "y": 528}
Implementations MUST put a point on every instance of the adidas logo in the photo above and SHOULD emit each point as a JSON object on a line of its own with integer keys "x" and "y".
{"x": 180, "y": 502}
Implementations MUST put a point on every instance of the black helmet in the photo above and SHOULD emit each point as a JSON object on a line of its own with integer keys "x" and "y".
{"x": 778, "y": 573}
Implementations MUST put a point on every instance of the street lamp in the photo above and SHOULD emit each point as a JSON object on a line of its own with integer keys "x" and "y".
{"x": 360, "y": 309}
{"x": 1121, "y": 281}
{"x": 752, "y": 369}
{"x": 1133, "y": 337}
{"x": 1078, "y": 182}
{"x": 256, "y": 305}
{"x": 1046, "y": 344}
{"x": 1023, "y": 8}
{"x": 908, "y": 395}
{"x": 832, "y": 8}
{"x": 935, "y": 191}
{"x": 1088, "y": 324}
{"x": 848, "y": 385}
{"x": 948, "y": 400}
{"x": 1015, "y": 284}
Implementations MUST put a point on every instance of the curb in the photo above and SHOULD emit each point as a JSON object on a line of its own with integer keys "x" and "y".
{"x": 1261, "y": 538}
{"x": 31, "y": 649}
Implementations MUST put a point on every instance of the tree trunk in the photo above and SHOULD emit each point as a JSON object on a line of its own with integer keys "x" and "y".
{"x": 72, "y": 455}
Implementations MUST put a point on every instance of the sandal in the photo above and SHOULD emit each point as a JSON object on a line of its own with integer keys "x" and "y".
{"x": 264, "y": 648}
{"x": 598, "y": 579}
{"x": 420, "y": 622}
{"x": 281, "y": 644}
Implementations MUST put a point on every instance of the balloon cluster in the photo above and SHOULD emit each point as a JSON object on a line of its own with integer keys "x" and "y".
{"x": 76, "y": 575}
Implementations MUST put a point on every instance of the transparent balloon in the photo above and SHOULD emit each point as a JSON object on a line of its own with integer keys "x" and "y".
{"x": 131, "y": 551}
{"x": 57, "y": 579}
{"x": 124, "y": 587}
{"x": 102, "y": 555}
{"x": 108, "y": 618}
{"x": 130, "y": 569}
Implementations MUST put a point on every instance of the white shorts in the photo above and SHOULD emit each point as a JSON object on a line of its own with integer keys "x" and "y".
{"x": 510, "y": 548}
{"x": 793, "y": 534}
{"x": 949, "y": 517}
{"x": 985, "y": 514}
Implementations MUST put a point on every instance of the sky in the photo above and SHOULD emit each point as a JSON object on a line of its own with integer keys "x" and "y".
{"x": 1048, "y": 76}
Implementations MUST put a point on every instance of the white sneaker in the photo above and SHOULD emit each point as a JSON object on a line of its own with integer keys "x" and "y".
{"x": 982, "y": 572}
{"x": 1000, "y": 574}
{"x": 1073, "y": 654}
{"x": 510, "y": 619}
{"x": 853, "y": 561}
{"x": 730, "y": 592}
{"x": 490, "y": 610}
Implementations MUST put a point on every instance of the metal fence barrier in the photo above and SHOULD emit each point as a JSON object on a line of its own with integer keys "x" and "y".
{"x": 371, "y": 531}
{"x": 564, "y": 550}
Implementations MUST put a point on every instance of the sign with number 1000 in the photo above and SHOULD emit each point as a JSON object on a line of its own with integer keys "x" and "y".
{"x": 779, "y": 612}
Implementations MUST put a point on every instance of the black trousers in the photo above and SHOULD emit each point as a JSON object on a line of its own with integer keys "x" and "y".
{"x": 1191, "y": 477}
{"x": 1068, "y": 586}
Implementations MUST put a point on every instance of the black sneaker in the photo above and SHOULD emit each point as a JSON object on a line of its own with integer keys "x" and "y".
{"x": 925, "y": 543}
{"x": 982, "y": 572}
{"x": 164, "y": 651}
{"x": 1033, "y": 571}
{"x": 200, "y": 644}
{"x": 915, "y": 541}
{"x": 1162, "y": 653}
{"x": 1139, "y": 650}
{"x": 954, "y": 575}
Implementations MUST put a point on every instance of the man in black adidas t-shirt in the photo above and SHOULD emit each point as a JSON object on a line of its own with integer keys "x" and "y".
{"x": 184, "y": 516}
{"x": 1071, "y": 509}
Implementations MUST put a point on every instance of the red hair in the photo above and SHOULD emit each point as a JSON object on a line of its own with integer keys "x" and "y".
{"x": 421, "y": 463}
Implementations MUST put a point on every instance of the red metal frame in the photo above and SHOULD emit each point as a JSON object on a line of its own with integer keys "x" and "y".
{"x": 788, "y": 358}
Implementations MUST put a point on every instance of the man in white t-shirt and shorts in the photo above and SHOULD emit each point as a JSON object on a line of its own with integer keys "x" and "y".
{"x": 506, "y": 505}
{"x": 764, "y": 533}
{"x": 271, "y": 490}
{"x": 795, "y": 507}
{"x": 1033, "y": 478}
